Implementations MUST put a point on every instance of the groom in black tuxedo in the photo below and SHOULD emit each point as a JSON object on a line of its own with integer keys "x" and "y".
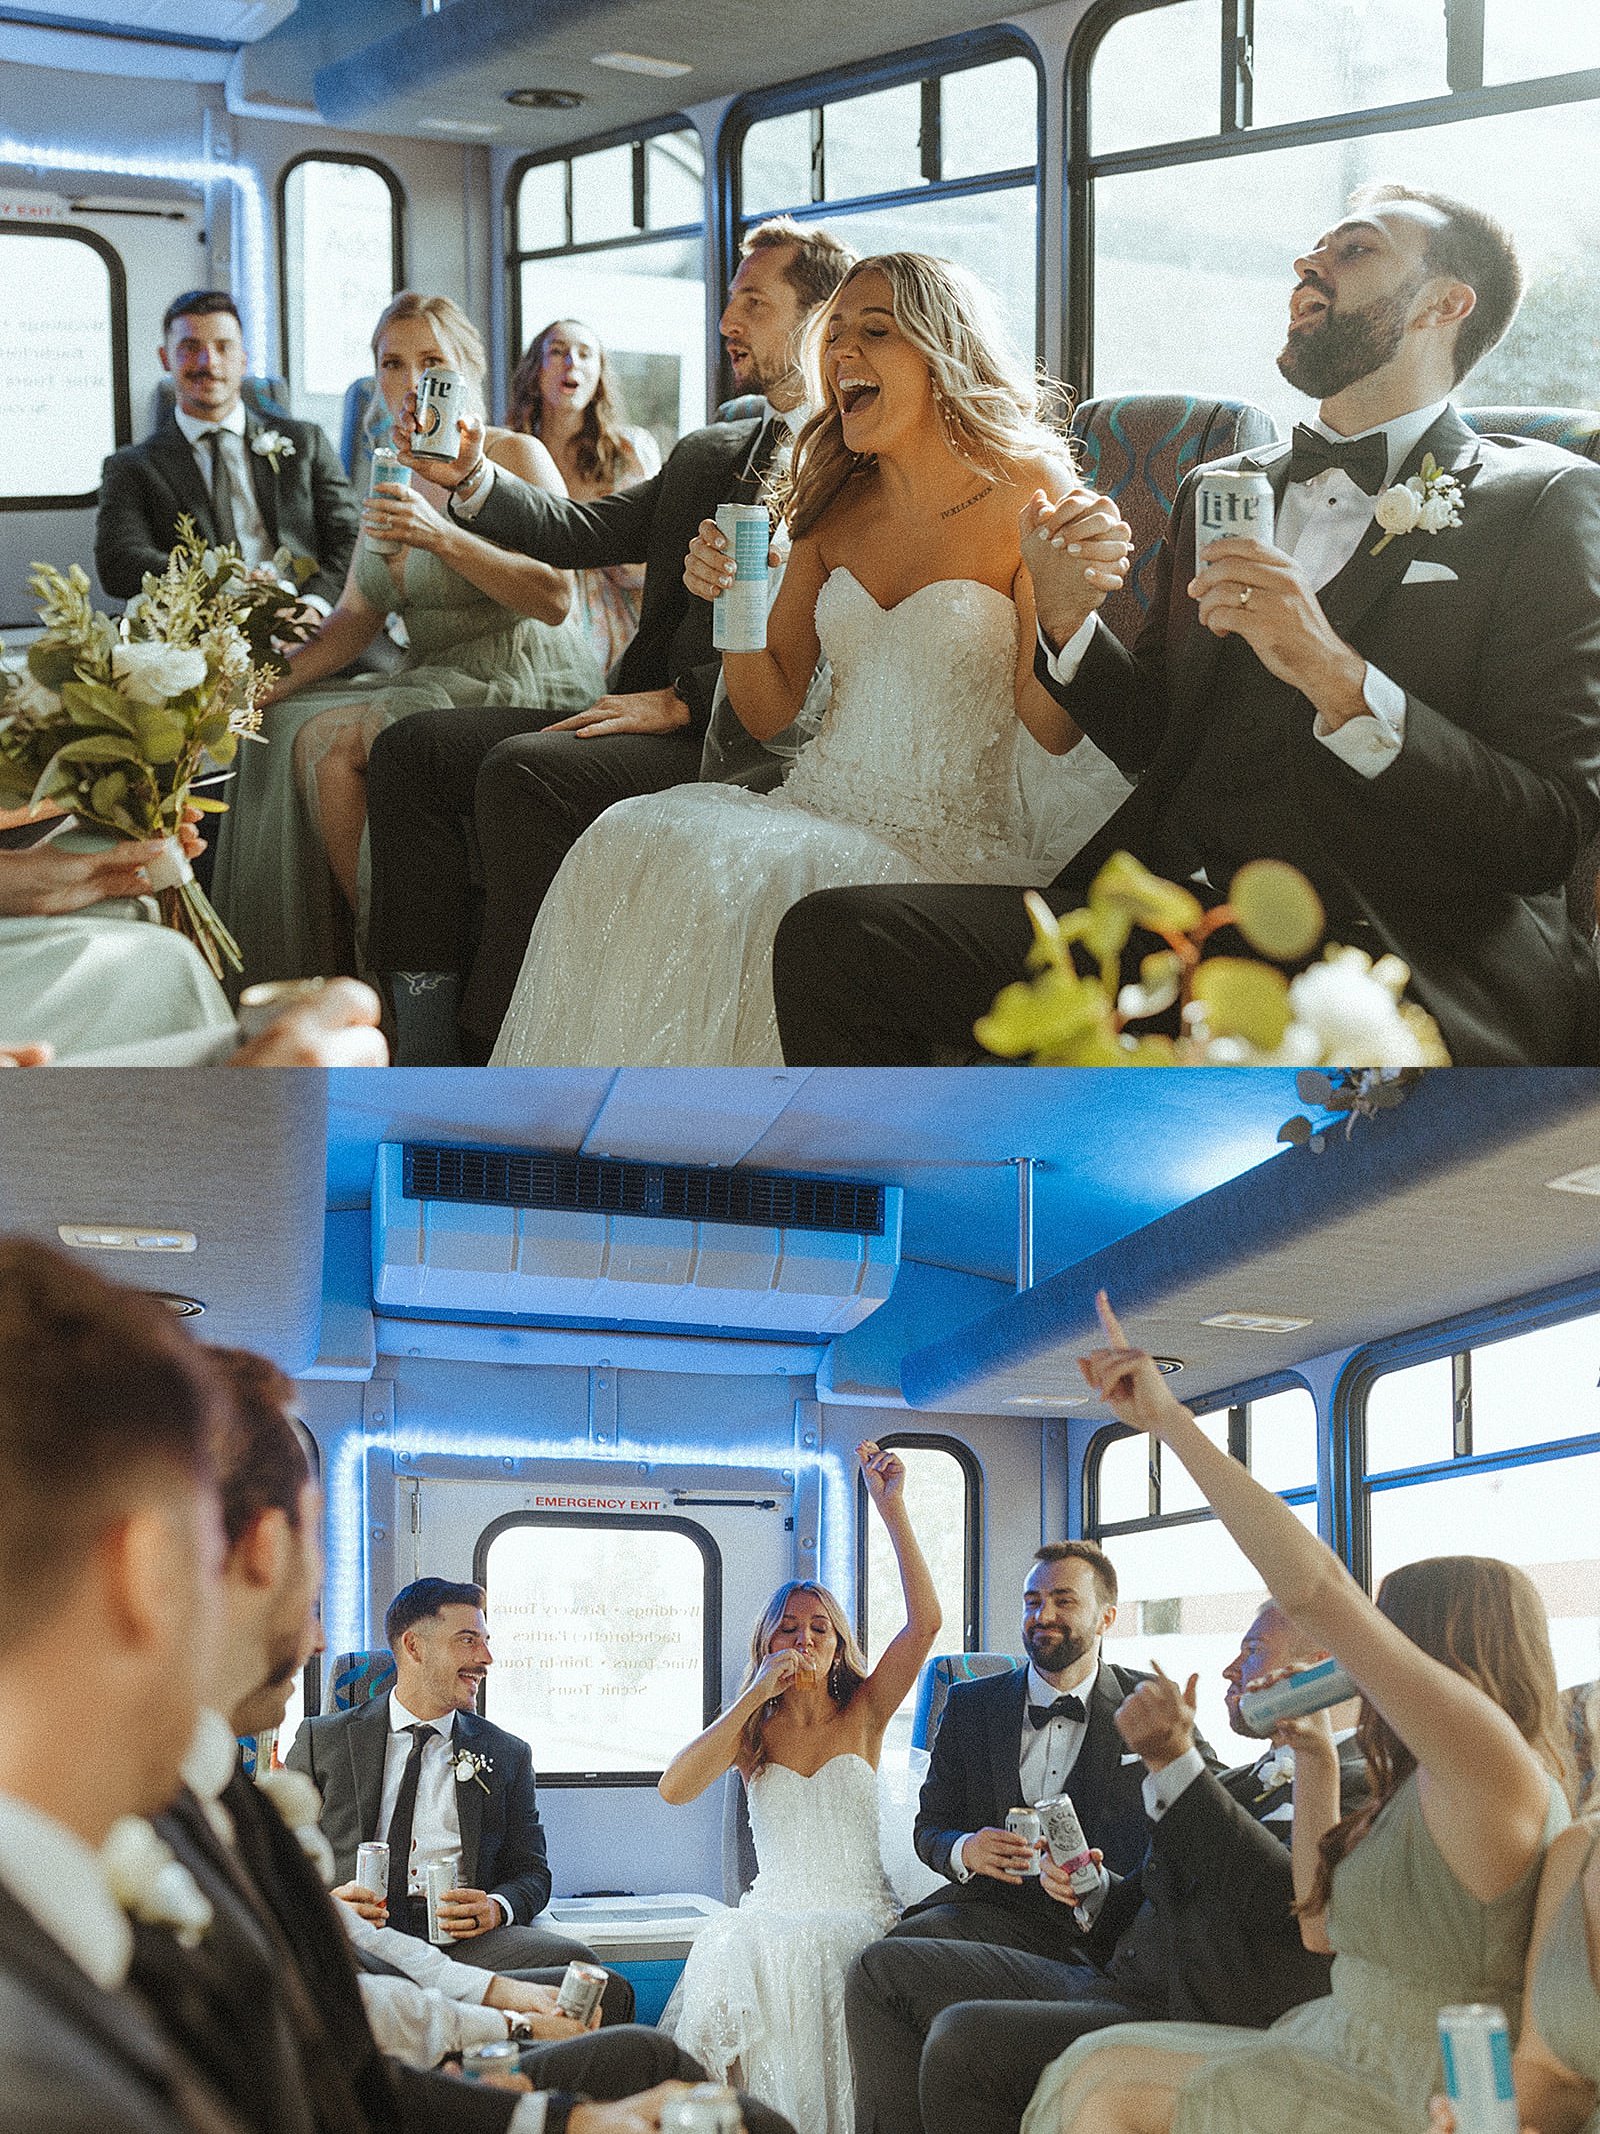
{"x": 421, "y": 1770}
{"x": 1013, "y": 1739}
{"x": 261, "y": 484}
{"x": 951, "y": 2038}
{"x": 1413, "y": 722}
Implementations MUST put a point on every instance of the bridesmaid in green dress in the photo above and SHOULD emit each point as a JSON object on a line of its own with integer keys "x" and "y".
{"x": 483, "y": 627}
{"x": 1558, "y": 2054}
{"x": 1424, "y": 1897}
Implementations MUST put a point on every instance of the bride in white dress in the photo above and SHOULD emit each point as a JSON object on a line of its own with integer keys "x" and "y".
{"x": 762, "y": 1998}
{"x": 654, "y": 944}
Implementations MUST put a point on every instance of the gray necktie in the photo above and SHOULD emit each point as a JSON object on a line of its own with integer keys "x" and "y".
{"x": 221, "y": 488}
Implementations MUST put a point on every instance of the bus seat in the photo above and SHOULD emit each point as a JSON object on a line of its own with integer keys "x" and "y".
{"x": 738, "y": 1846}
{"x": 358, "y": 1677}
{"x": 1136, "y": 449}
{"x": 267, "y": 397}
{"x": 358, "y": 430}
{"x": 939, "y": 1676}
{"x": 1573, "y": 429}
{"x": 743, "y": 408}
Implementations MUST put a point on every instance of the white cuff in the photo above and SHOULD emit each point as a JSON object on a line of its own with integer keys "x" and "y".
{"x": 528, "y": 2118}
{"x": 506, "y": 1919}
{"x": 314, "y": 601}
{"x": 1162, "y": 1788}
{"x": 1063, "y": 665}
{"x": 958, "y": 1859}
{"x": 1370, "y": 745}
{"x": 468, "y": 506}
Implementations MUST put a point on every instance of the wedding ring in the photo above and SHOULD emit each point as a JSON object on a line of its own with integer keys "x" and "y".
{"x": 1244, "y": 596}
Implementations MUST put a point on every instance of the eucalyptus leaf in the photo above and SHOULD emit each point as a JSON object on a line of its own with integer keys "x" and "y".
{"x": 1277, "y": 910}
{"x": 1243, "y": 999}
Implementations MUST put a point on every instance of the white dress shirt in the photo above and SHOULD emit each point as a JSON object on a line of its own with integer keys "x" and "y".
{"x": 436, "y": 1822}
{"x": 58, "y": 1879}
{"x": 1321, "y": 524}
{"x": 255, "y": 543}
{"x": 1045, "y": 1754}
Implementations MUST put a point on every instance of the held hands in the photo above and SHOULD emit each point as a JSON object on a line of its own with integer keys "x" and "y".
{"x": 466, "y": 1913}
{"x": 1127, "y": 1380}
{"x": 884, "y": 1474}
{"x": 643, "y": 711}
{"x": 1248, "y": 589}
{"x": 1156, "y": 1719}
{"x": 394, "y": 513}
{"x": 999, "y": 1854}
{"x": 443, "y": 473}
{"x": 368, "y": 1903}
{"x": 708, "y": 567}
{"x": 1077, "y": 551}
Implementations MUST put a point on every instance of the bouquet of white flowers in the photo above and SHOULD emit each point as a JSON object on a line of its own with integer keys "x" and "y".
{"x": 113, "y": 722}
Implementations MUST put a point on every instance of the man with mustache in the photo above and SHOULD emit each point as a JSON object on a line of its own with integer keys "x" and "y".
{"x": 1414, "y": 721}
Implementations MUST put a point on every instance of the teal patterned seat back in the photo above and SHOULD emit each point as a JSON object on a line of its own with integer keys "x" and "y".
{"x": 358, "y": 1677}
{"x": 1573, "y": 429}
{"x": 1136, "y": 448}
{"x": 940, "y": 1675}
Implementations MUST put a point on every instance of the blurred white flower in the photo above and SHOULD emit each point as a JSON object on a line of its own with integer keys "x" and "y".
{"x": 151, "y": 1883}
{"x": 1439, "y": 512}
{"x": 300, "y": 1804}
{"x": 1399, "y": 510}
{"x": 154, "y": 673}
{"x": 1353, "y": 1011}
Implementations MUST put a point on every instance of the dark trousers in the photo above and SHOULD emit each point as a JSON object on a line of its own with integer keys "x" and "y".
{"x": 513, "y": 1948}
{"x": 612, "y": 2064}
{"x": 1039, "y": 1931}
{"x": 530, "y": 794}
{"x": 950, "y": 2037}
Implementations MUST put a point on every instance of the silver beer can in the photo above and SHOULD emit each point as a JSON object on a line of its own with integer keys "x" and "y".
{"x": 1475, "y": 2046}
{"x": 440, "y": 1876}
{"x": 1234, "y": 506}
{"x": 1069, "y": 1848}
{"x": 441, "y": 402}
{"x": 387, "y": 467}
{"x": 500, "y": 2057}
{"x": 372, "y": 1868}
{"x": 1308, "y": 1689}
{"x": 581, "y": 1991}
{"x": 1025, "y": 1823}
{"x": 708, "y": 2108}
{"x": 739, "y": 616}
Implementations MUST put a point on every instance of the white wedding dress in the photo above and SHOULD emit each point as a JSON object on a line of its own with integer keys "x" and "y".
{"x": 654, "y": 945}
{"x": 762, "y": 1996}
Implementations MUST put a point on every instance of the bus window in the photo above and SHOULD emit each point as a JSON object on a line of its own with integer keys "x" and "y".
{"x": 944, "y": 160}
{"x": 1520, "y": 43}
{"x": 607, "y": 1645}
{"x": 1186, "y": 1592}
{"x": 340, "y": 225}
{"x": 614, "y": 236}
{"x": 63, "y": 365}
{"x": 942, "y": 1496}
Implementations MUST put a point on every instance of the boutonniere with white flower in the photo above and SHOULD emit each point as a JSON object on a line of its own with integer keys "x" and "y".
{"x": 1427, "y": 502}
{"x": 300, "y": 1804}
{"x": 151, "y": 1883}
{"x": 273, "y": 446}
{"x": 469, "y": 1768}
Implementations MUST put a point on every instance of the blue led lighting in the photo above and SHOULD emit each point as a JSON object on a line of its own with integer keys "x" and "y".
{"x": 345, "y": 1600}
{"x": 251, "y": 251}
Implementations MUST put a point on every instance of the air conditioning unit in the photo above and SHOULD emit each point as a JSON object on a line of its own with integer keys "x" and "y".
{"x": 487, "y": 1233}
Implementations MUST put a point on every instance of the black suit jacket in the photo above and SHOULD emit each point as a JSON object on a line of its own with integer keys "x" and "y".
{"x": 1205, "y": 1931}
{"x": 1456, "y": 853}
{"x": 974, "y": 1777}
{"x": 77, "y": 2060}
{"x": 651, "y": 523}
{"x": 145, "y": 489}
{"x": 502, "y": 1839}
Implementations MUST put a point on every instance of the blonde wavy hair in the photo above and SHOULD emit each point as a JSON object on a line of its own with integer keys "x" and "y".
{"x": 845, "y": 1676}
{"x": 458, "y": 337}
{"x": 997, "y": 411}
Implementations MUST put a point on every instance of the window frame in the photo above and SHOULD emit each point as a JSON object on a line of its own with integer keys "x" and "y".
{"x": 1234, "y": 1403}
{"x": 971, "y": 1531}
{"x": 121, "y": 395}
{"x": 397, "y": 232}
{"x": 635, "y": 136}
{"x": 1468, "y": 97}
{"x": 946, "y": 55}
{"x": 711, "y": 1620}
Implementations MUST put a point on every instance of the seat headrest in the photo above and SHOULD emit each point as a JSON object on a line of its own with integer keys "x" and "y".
{"x": 358, "y": 1677}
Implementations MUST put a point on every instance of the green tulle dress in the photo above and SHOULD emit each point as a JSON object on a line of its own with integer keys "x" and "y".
{"x": 272, "y": 882}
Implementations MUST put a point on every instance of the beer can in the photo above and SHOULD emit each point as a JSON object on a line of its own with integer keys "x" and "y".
{"x": 441, "y": 402}
{"x": 1235, "y": 506}
{"x": 441, "y": 1875}
{"x": 581, "y": 1991}
{"x": 739, "y": 616}
{"x": 1025, "y": 1823}
{"x": 261, "y": 1005}
{"x": 708, "y": 2108}
{"x": 500, "y": 2057}
{"x": 1308, "y": 1689}
{"x": 372, "y": 1869}
{"x": 1069, "y": 1848}
{"x": 386, "y": 467}
{"x": 1475, "y": 2046}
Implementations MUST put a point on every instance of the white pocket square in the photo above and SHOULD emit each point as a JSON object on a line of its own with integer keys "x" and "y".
{"x": 1420, "y": 573}
{"x": 1132, "y": 1758}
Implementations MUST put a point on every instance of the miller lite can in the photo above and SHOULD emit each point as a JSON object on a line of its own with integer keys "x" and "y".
{"x": 372, "y": 1869}
{"x": 708, "y": 2108}
{"x": 386, "y": 467}
{"x": 1232, "y": 507}
{"x": 1475, "y": 2046}
{"x": 441, "y": 401}
{"x": 739, "y": 616}
{"x": 441, "y": 1875}
{"x": 1024, "y": 1823}
{"x": 581, "y": 1991}
{"x": 1308, "y": 1689}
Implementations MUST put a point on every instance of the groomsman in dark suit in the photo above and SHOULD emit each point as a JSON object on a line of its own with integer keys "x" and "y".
{"x": 1402, "y": 698}
{"x": 1013, "y": 1739}
{"x": 108, "y": 1567}
{"x": 262, "y": 483}
{"x": 420, "y": 1769}
{"x": 534, "y": 781}
{"x": 951, "y": 2038}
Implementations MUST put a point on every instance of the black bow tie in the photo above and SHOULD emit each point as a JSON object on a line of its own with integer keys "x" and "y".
{"x": 1062, "y": 1708}
{"x": 1364, "y": 459}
